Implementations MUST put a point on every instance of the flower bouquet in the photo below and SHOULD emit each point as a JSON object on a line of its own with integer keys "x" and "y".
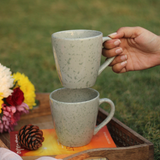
{"x": 17, "y": 96}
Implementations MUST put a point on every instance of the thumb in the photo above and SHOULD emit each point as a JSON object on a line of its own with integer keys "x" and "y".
{"x": 127, "y": 32}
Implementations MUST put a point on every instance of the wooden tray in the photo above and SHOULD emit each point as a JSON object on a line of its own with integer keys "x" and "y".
{"x": 130, "y": 145}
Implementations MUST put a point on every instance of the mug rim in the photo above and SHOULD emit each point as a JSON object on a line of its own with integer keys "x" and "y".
{"x": 78, "y": 30}
{"x": 87, "y": 101}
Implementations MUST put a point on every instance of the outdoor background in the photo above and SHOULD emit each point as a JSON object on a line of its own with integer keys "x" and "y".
{"x": 25, "y": 46}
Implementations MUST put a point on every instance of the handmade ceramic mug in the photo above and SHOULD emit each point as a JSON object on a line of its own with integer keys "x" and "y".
{"x": 74, "y": 113}
{"x": 77, "y": 55}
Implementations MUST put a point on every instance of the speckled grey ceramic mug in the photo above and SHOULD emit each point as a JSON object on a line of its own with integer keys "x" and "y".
{"x": 74, "y": 113}
{"x": 77, "y": 55}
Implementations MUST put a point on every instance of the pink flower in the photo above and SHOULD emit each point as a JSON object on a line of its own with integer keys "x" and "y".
{"x": 11, "y": 114}
{"x": 4, "y": 124}
{"x": 23, "y": 108}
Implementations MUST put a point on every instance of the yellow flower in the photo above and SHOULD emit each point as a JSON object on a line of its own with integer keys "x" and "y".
{"x": 1, "y": 102}
{"x": 27, "y": 88}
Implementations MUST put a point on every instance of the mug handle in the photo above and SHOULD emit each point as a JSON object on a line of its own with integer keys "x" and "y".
{"x": 108, "y": 61}
{"x": 109, "y": 117}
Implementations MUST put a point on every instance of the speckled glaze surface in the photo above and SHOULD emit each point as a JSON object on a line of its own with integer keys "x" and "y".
{"x": 74, "y": 113}
{"x": 77, "y": 55}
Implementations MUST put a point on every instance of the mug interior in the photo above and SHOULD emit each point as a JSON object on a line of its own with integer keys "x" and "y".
{"x": 74, "y": 95}
{"x": 76, "y": 34}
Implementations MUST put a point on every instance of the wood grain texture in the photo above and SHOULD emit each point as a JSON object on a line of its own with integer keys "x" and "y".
{"x": 42, "y": 109}
{"x": 121, "y": 153}
{"x": 130, "y": 145}
{"x": 2, "y": 144}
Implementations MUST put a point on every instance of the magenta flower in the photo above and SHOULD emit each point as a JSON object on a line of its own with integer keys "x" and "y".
{"x": 11, "y": 114}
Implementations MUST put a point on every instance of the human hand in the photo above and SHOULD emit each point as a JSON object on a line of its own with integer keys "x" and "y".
{"x": 135, "y": 48}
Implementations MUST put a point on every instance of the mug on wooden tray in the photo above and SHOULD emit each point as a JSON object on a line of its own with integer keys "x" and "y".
{"x": 74, "y": 113}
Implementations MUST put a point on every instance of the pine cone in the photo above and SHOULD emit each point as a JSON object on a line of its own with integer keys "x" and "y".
{"x": 30, "y": 137}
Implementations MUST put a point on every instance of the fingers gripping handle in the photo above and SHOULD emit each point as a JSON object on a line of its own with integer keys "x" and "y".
{"x": 108, "y": 61}
{"x": 102, "y": 124}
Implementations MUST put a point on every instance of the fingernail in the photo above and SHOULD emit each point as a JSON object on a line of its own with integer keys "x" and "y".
{"x": 112, "y": 34}
{"x": 124, "y": 63}
{"x": 117, "y": 42}
{"x": 119, "y": 50}
{"x": 124, "y": 57}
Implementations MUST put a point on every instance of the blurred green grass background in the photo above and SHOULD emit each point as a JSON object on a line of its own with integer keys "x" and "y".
{"x": 25, "y": 46}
